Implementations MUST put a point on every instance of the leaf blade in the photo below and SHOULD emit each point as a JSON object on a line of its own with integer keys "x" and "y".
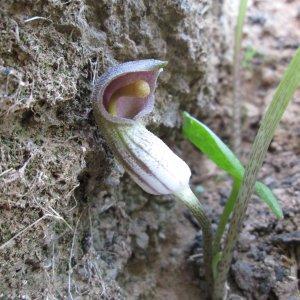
{"x": 266, "y": 194}
{"x": 214, "y": 148}
{"x": 211, "y": 145}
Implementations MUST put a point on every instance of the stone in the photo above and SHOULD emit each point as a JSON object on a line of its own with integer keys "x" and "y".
{"x": 142, "y": 240}
{"x": 287, "y": 238}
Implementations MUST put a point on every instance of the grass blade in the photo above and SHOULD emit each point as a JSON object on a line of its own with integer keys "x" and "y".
{"x": 236, "y": 109}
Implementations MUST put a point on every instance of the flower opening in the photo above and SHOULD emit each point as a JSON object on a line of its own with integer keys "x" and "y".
{"x": 122, "y": 96}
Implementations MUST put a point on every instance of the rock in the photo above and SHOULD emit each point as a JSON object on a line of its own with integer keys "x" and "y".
{"x": 269, "y": 261}
{"x": 265, "y": 283}
{"x": 243, "y": 275}
{"x": 142, "y": 240}
{"x": 256, "y": 254}
{"x": 199, "y": 189}
{"x": 268, "y": 77}
{"x": 280, "y": 273}
{"x": 235, "y": 297}
{"x": 245, "y": 241}
{"x": 252, "y": 279}
{"x": 258, "y": 18}
{"x": 287, "y": 238}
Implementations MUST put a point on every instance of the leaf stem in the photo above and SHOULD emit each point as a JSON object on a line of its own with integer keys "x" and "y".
{"x": 192, "y": 202}
{"x": 225, "y": 216}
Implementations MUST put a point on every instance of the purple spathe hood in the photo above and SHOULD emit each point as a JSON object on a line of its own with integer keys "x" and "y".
{"x": 121, "y": 96}
{"x": 129, "y": 108}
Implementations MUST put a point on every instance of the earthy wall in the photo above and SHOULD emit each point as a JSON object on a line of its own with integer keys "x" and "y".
{"x": 75, "y": 221}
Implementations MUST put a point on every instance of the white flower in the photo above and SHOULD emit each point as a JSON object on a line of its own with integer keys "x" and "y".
{"x": 121, "y": 97}
{"x": 150, "y": 162}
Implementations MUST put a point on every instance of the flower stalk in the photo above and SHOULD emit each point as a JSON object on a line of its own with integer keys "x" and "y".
{"x": 190, "y": 200}
{"x": 122, "y": 97}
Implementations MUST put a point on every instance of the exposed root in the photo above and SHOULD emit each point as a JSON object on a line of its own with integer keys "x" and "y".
{"x": 37, "y": 18}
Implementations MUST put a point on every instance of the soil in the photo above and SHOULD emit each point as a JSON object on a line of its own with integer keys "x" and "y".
{"x": 80, "y": 228}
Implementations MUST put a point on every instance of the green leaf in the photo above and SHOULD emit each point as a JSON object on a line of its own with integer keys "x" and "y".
{"x": 213, "y": 147}
{"x": 266, "y": 194}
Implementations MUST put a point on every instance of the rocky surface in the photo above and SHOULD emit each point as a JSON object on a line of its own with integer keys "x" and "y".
{"x": 69, "y": 226}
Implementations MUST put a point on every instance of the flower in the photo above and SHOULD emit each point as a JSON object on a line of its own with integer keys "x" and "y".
{"x": 121, "y": 97}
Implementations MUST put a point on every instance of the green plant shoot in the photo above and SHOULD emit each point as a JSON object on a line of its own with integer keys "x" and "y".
{"x": 283, "y": 95}
{"x": 213, "y": 147}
